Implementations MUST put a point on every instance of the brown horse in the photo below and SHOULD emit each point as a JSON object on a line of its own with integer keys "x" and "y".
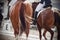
{"x": 46, "y": 20}
{"x": 19, "y": 12}
{"x": 56, "y": 21}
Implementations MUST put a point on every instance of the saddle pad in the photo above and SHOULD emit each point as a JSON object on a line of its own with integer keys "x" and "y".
{"x": 40, "y": 12}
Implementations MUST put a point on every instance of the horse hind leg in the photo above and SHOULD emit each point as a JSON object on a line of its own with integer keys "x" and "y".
{"x": 45, "y": 34}
{"x": 20, "y": 32}
{"x": 40, "y": 33}
{"x": 51, "y": 32}
{"x": 39, "y": 28}
{"x": 27, "y": 33}
{"x": 16, "y": 33}
{"x": 16, "y": 37}
{"x": 27, "y": 30}
{"x": 21, "y": 35}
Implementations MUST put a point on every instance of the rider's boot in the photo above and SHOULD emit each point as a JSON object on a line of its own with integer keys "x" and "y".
{"x": 35, "y": 18}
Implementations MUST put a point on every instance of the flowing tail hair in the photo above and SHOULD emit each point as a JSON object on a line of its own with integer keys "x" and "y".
{"x": 57, "y": 15}
{"x": 22, "y": 18}
{"x": 57, "y": 21}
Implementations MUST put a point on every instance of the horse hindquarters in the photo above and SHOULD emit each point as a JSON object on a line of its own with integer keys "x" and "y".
{"x": 46, "y": 21}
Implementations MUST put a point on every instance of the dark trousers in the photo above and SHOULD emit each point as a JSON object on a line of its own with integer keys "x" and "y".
{"x": 35, "y": 15}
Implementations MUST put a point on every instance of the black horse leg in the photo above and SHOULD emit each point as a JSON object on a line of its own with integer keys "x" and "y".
{"x": 51, "y": 32}
{"x": 39, "y": 28}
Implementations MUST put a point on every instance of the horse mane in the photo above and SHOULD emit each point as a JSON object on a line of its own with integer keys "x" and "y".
{"x": 22, "y": 18}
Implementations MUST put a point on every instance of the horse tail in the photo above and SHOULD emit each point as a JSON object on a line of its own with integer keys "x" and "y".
{"x": 57, "y": 22}
{"x": 22, "y": 18}
{"x": 57, "y": 15}
{"x": 57, "y": 18}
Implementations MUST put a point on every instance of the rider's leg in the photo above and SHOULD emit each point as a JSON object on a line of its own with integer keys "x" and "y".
{"x": 38, "y": 8}
{"x": 35, "y": 15}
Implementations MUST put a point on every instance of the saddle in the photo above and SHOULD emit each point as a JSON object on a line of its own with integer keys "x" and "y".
{"x": 42, "y": 10}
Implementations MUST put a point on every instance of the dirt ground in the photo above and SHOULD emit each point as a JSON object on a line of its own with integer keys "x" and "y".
{"x": 33, "y": 35}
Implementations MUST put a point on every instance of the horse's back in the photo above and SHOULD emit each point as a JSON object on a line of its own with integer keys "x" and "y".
{"x": 46, "y": 17}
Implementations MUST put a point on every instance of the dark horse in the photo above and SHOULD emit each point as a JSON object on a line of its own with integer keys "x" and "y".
{"x": 19, "y": 12}
{"x": 47, "y": 19}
